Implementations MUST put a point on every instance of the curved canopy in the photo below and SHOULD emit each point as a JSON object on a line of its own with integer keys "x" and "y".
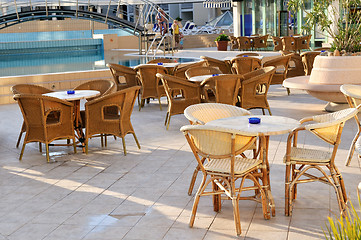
{"x": 226, "y": 19}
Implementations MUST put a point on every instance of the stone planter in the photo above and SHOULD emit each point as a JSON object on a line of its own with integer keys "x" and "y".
{"x": 328, "y": 74}
{"x": 222, "y": 45}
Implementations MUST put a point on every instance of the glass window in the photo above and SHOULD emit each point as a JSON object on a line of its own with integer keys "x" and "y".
{"x": 258, "y": 17}
{"x": 270, "y": 16}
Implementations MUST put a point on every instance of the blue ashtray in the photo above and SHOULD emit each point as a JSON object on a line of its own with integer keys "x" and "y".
{"x": 213, "y": 75}
{"x": 160, "y": 63}
{"x": 323, "y": 50}
{"x": 254, "y": 120}
{"x": 70, "y": 92}
{"x": 245, "y": 55}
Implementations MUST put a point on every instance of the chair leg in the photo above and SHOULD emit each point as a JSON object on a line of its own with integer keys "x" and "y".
{"x": 105, "y": 140}
{"x": 47, "y": 152}
{"x": 216, "y": 198}
{"x": 288, "y": 91}
{"x": 160, "y": 104}
{"x": 196, "y": 201}
{"x": 20, "y": 134}
{"x": 136, "y": 140}
{"x": 101, "y": 140}
{"x": 22, "y": 152}
{"x": 287, "y": 189}
{"x": 124, "y": 148}
{"x": 194, "y": 177}
{"x": 352, "y": 148}
{"x": 40, "y": 147}
{"x": 235, "y": 209}
{"x": 263, "y": 112}
{"x": 74, "y": 145}
{"x": 269, "y": 111}
{"x": 168, "y": 121}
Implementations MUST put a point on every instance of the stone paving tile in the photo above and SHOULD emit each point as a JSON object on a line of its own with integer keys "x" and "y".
{"x": 106, "y": 195}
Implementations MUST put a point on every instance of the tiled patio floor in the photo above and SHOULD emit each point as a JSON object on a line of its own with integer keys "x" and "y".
{"x": 106, "y": 195}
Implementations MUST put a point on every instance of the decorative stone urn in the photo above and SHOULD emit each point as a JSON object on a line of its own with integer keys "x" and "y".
{"x": 328, "y": 74}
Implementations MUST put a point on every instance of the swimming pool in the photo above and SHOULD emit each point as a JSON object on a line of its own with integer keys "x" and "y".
{"x": 67, "y": 61}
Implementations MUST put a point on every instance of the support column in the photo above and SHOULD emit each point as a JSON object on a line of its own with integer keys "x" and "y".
{"x": 237, "y": 12}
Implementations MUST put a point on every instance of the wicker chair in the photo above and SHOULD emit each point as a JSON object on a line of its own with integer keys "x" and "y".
{"x": 289, "y": 43}
{"x": 103, "y": 122}
{"x": 307, "y": 59}
{"x": 222, "y": 65}
{"x": 234, "y": 42}
{"x": 281, "y": 64}
{"x": 198, "y": 71}
{"x": 103, "y": 86}
{"x": 151, "y": 85}
{"x": 244, "y": 43}
{"x": 254, "y": 88}
{"x": 224, "y": 88}
{"x": 161, "y": 60}
{"x": 303, "y": 42}
{"x": 119, "y": 72}
{"x": 295, "y": 66}
{"x": 353, "y": 97}
{"x": 200, "y": 114}
{"x": 180, "y": 70}
{"x": 242, "y": 65}
{"x": 217, "y": 153}
{"x": 299, "y": 160}
{"x": 189, "y": 95}
{"x": 42, "y": 128}
{"x": 28, "y": 89}
{"x": 249, "y": 54}
{"x": 277, "y": 43}
{"x": 260, "y": 42}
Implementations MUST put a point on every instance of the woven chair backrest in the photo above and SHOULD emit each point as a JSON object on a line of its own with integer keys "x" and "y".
{"x": 303, "y": 42}
{"x": 242, "y": 65}
{"x": 244, "y": 43}
{"x": 161, "y": 60}
{"x": 119, "y": 121}
{"x": 128, "y": 73}
{"x": 329, "y": 126}
{"x": 289, "y": 43}
{"x": 103, "y": 86}
{"x": 36, "y": 108}
{"x": 150, "y": 82}
{"x": 281, "y": 64}
{"x": 222, "y": 65}
{"x": 307, "y": 59}
{"x": 277, "y": 42}
{"x": 254, "y": 88}
{"x": 206, "y": 112}
{"x": 180, "y": 70}
{"x": 248, "y": 54}
{"x": 216, "y": 143}
{"x": 226, "y": 87}
{"x": 198, "y": 71}
{"x": 29, "y": 89}
{"x": 174, "y": 85}
{"x": 260, "y": 42}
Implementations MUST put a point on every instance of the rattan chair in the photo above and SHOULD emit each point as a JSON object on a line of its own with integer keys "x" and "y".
{"x": 221, "y": 89}
{"x": 179, "y": 70}
{"x": 277, "y": 43}
{"x": 260, "y": 42}
{"x": 295, "y": 66}
{"x": 198, "y": 71}
{"x": 307, "y": 59}
{"x": 281, "y": 64}
{"x": 244, "y": 43}
{"x": 234, "y": 42}
{"x": 103, "y": 86}
{"x": 242, "y": 65}
{"x": 103, "y": 122}
{"x": 200, "y": 114}
{"x": 124, "y": 77}
{"x": 28, "y": 89}
{"x": 254, "y": 89}
{"x": 302, "y": 163}
{"x": 222, "y": 65}
{"x": 217, "y": 153}
{"x": 151, "y": 84}
{"x": 353, "y": 97}
{"x": 303, "y": 42}
{"x": 289, "y": 43}
{"x": 39, "y": 126}
{"x": 248, "y": 54}
{"x": 161, "y": 60}
{"x": 180, "y": 95}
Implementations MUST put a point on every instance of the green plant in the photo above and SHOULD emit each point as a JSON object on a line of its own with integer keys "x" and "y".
{"x": 347, "y": 227}
{"x": 222, "y": 37}
{"x": 339, "y": 19}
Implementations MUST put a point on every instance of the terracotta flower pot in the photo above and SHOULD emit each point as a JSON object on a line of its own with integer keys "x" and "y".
{"x": 222, "y": 45}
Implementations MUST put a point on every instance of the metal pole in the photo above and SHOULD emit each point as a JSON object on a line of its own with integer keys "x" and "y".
{"x": 16, "y": 10}
{"x": 106, "y": 17}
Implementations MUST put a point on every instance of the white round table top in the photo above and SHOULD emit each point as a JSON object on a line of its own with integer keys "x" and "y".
{"x": 230, "y": 58}
{"x": 166, "y": 65}
{"x": 269, "y": 125}
{"x": 351, "y": 90}
{"x": 200, "y": 78}
{"x": 79, "y": 94}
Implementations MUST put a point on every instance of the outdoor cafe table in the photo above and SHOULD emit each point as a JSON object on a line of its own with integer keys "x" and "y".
{"x": 269, "y": 125}
{"x": 75, "y": 98}
{"x": 169, "y": 66}
{"x": 200, "y": 78}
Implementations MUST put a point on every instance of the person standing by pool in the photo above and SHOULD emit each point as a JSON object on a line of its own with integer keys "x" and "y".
{"x": 176, "y": 33}
{"x": 162, "y": 21}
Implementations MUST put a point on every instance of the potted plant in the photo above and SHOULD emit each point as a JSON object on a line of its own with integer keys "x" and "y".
{"x": 222, "y": 42}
